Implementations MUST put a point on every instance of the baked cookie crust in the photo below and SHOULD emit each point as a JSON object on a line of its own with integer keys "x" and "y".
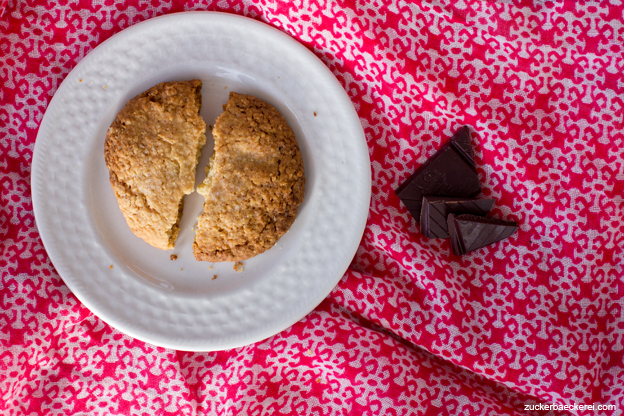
{"x": 255, "y": 182}
{"x": 151, "y": 150}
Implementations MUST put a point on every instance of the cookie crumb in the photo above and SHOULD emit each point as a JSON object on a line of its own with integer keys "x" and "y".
{"x": 214, "y": 277}
{"x": 209, "y": 126}
{"x": 111, "y": 266}
{"x": 238, "y": 266}
{"x": 104, "y": 87}
{"x": 181, "y": 268}
{"x": 210, "y": 268}
{"x": 173, "y": 257}
{"x": 225, "y": 88}
{"x": 80, "y": 80}
{"x": 314, "y": 113}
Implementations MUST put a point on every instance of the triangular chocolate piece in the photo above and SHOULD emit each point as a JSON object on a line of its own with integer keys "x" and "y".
{"x": 449, "y": 172}
{"x": 435, "y": 210}
{"x": 469, "y": 232}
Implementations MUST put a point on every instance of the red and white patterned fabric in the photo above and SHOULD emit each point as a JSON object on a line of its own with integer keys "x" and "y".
{"x": 410, "y": 329}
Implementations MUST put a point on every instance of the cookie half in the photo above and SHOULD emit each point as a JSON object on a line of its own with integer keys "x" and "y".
{"x": 255, "y": 182}
{"x": 152, "y": 149}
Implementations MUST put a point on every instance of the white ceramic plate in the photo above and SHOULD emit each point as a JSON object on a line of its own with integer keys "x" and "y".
{"x": 137, "y": 288}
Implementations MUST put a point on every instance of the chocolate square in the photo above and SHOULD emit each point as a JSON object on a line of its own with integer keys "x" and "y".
{"x": 449, "y": 172}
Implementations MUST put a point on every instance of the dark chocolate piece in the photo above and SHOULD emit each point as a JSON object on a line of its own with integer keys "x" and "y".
{"x": 469, "y": 232}
{"x": 449, "y": 172}
{"x": 435, "y": 210}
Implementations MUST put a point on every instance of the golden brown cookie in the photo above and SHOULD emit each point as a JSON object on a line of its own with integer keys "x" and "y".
{"x": 151, "y": 151}
{"x": 254, "y": 184}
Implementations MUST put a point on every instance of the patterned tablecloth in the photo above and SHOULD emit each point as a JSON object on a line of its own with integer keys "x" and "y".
{"x": 411, "y": 329}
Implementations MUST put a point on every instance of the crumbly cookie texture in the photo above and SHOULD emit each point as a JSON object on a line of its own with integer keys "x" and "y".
{"x": 151, "y": 151}
{"x": 254, "y": 184}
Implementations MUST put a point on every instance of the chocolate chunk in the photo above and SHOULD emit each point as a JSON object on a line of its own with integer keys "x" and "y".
{"x": 469, "y": 232}
{"x": 435, "y": 210}
{"x": 449, "y": 172}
